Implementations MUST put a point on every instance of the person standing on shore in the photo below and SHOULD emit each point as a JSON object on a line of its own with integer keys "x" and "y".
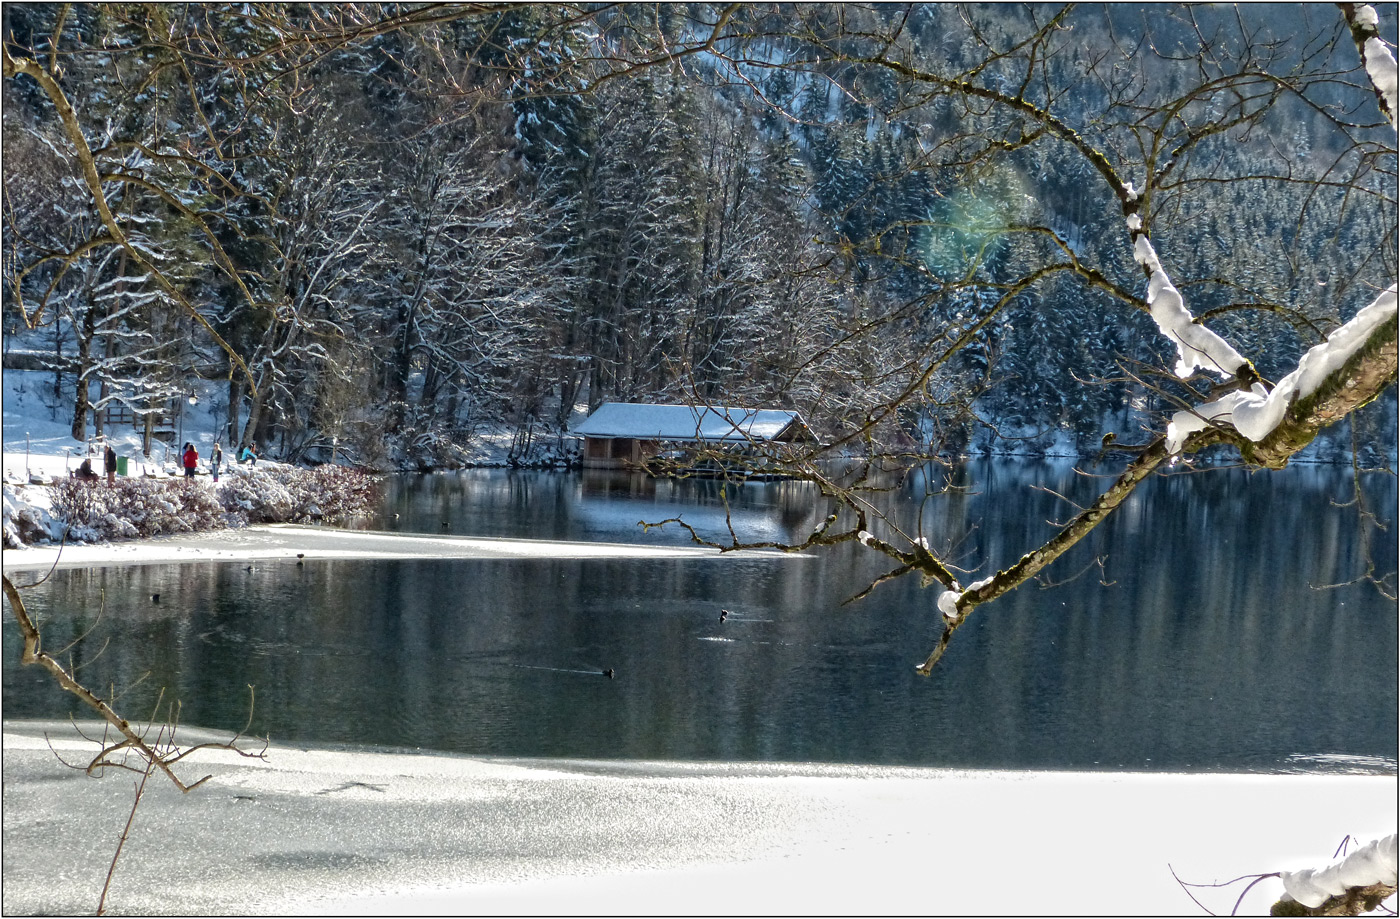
{"x": 191, "y": 460}
{"x": 109, "y": 461}
{"x": 215, "y": 458}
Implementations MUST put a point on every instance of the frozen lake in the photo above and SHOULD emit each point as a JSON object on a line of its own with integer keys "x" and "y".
{"x": 1202, "y": 643}
{"x": 340, "y": 833}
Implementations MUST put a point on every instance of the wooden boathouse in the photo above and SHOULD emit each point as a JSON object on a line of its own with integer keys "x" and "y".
{"x": 624, "y": 435}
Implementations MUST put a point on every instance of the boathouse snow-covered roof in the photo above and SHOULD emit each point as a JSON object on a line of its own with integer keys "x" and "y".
{"x": 690, "y": 423}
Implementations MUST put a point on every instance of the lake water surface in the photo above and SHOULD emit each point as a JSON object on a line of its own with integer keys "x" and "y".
{"x": 1202, "y": 641}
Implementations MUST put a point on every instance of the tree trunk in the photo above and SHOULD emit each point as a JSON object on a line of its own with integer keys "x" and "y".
{"x": 568, "y": 394}
{"x": 109, "y": 351}
{"x": 80, "y": 402}
{"x": 399, "y": 368}
{"x": 262, "y": 433}
{"x": 250, "y": 427}
{"x": 57, "y": 365}
{"x": 255, "y": 429}
{"x": 235, "y": 399}
{"x": 80, "y": 386}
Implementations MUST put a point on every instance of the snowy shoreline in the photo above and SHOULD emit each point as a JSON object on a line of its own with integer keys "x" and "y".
{"x": 290, "y": 543}
{"x": 320, "y": 831}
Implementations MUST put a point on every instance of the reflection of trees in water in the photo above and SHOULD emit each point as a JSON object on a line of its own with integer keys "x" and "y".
{"x": 1188, "y": 660}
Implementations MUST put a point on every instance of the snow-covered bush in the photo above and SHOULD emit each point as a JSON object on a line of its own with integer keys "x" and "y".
{"x": 134, "y": 507}
{"x": 276, "y": 493}
{"x": 255, "y": 494}
{"x": 23, "y": 522}
{"x": 332, "y": 493}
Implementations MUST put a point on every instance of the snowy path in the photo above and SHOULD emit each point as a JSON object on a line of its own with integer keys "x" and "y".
{"x": 284, "y": 541}
{"x": 345, "y": 832}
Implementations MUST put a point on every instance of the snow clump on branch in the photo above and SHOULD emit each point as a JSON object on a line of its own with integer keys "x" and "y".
{"x": 1382, "y": 68}
{"x": 1373, "y": 863}
{"x": 948, "y": 600}
{"x": 1257, "y": 413}
{"x": 948, "y": 604}
{"x": 1380, "y": 63}
{"x": 1196, "y": 345}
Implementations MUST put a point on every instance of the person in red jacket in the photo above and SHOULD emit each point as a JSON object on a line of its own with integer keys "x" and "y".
{"x": 191, "y": 459}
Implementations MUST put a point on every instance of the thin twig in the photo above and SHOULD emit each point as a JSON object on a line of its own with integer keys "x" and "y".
{"x": 126, "y": 834}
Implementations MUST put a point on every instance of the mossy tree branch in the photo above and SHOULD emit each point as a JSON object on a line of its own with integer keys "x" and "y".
{"x": 1367, "y": 374}
{"x": 1354, "y": 902}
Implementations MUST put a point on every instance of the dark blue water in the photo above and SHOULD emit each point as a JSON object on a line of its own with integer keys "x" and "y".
{"x": 1197, "y": 635}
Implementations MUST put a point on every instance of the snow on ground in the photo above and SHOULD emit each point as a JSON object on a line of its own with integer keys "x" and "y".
{"x": 344, "y": 832}
{"x": 39, "y": 446}
{"x": 38, "y": 438}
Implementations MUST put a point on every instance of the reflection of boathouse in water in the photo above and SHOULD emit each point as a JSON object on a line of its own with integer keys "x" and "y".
{"x": 623, "y": 435}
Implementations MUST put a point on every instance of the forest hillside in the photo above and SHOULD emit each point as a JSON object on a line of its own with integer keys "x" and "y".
{"x": 386, "y": 229}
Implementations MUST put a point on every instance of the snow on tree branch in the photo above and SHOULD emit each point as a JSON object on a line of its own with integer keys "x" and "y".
{"x": 1256, "y": 413}
{"x": 1196, "y": 345}
{"x": 1373, "y": 863}
{"x": 48, "y": 82}
{"x": 1380, "y": 63}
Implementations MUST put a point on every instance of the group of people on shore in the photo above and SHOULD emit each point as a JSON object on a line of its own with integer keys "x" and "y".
{"x": 189, "y": 459}
{"x": 109, "y": 461}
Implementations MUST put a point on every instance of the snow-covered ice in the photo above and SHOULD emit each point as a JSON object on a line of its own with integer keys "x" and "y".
{"x": 344, "y": 832}
{"x": 285, "y": 541}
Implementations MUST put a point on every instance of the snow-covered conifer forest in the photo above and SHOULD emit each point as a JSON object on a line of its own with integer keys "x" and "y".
{"x": 392, "y": 227}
